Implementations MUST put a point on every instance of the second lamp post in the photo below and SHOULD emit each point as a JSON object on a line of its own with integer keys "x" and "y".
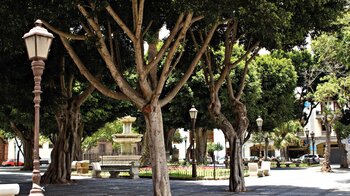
{"x": 259, "y": 122}
{"x": 193, "y": 115}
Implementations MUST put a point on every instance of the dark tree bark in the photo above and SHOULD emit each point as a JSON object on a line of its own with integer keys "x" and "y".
{"x": 26, "y": 137}
{"x": 201, "y": 145}
{"x": 63, "y": 153}
{"x": 67, "y": 146}
{"x": 168, "y": 139}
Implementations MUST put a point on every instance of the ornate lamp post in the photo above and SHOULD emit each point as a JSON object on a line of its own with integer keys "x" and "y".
{"x": 193, "y": 114}
{"x": 313, "y": 146}
{"x": 38, "y": 41}
{"x": 308, "y": 143}
{"x": 259, "y": 122}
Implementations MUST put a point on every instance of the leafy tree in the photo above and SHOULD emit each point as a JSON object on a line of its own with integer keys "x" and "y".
{"x": 255, "y": 25}
{"x": 331, "y": 51}
{"x": 285, "y": 135}
{"x": 278, "y": 80}
{"x": 212, "y": 148}
{"x": 64, "y": 92}
{"x": 104, "y": 25}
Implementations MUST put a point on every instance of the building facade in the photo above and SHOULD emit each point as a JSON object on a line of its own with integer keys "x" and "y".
{"x": 317, "y": 126}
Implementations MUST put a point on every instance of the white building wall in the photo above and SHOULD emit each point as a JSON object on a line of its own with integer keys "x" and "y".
{"x": 13, "y": 149}
{"x": 185, "y": 144}
{"x": 219, "y": 137}
{"x": 44, "y": 152}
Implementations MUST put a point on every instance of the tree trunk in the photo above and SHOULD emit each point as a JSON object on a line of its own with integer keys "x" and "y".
{"x": 168, "y": 139}
{"x": 160, "y": 177}
{"x": 266, "y": 148}
{"x": 326, "y": 167}
{"x": 343, "y": 153}
{"x": 28, "y": 155}
{"x": 201, "y": 145}
{"x": 237, "y": 183}
{"x": 188, "y": 153}
{"x": 78, "y": 153}
{"x": 27, "y": 138}
{"x": 145, "y": 154}
{"x": 235, "y": 136}
{"x": 64, "y": 150}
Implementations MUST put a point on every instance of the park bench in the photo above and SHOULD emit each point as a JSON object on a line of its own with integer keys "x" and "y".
{"x": 116, "y": 164}
{"x": 253, "y": 170}
{"x": 266, "y": 167}
{"x": 9, "y": 189}
{"x": 287, "y": 164}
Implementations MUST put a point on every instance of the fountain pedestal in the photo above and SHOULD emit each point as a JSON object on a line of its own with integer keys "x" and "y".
{"x": 127, "y": 139}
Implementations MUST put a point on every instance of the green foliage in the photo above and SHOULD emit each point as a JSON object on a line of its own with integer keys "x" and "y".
{"x": 342, "y": 130}
{"x": 4, "y": 134}
{"x": 104, "y": 133}
{"x": 177, "y": 137}
{"x": 278, "y": 81}
{"x": 257, "y": 137}
{"x": 285, "y": 134}
{"x": 211, "y": 147}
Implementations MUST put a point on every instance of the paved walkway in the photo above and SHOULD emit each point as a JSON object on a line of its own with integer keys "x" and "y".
{"x": 291, "y": 181}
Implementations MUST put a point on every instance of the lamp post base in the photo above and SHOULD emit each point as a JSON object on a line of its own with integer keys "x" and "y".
{"x": 194, "y": 170}
{"x": 36, "y": 191}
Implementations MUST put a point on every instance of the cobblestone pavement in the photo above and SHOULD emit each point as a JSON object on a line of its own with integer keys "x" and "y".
{"x": 291, "y": 181}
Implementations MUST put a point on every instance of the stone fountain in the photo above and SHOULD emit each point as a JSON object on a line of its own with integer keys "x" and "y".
{"x": 127, "y": 139}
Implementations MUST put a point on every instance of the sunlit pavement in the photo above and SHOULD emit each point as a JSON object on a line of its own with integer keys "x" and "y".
{"x": 284, "y": 181}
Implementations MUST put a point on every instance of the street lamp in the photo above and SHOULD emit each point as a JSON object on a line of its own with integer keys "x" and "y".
{"x": 193, "y": 114}
{"x": 307, "y": 140}
{"x": 259, "y": 122}
{"x": 313, "y": 146}
{"x": 38, "y": 41}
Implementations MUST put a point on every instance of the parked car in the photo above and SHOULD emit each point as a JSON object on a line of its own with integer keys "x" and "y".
{"x": 221, "y": 160}
{"x": 309, "y": 158}
{"x": 12, "y": 162}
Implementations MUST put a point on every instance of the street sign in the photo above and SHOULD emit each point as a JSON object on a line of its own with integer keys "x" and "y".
{"x": 307, "y": 104}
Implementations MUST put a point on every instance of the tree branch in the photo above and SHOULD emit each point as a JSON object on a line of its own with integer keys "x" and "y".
{"x": 121, "y": 23}
{"x": 189, "y": 71}
{"x": 84, "y": 71}
{"x": 244, "y": 76}
{"x": 165, "y": 46}
{"x": 229, "y": 66}
{"x": 165, "y": 72}
{"x": 83, "y": 96}
{"x": 64, "y": 34}
{"x": 104, "y": 53}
